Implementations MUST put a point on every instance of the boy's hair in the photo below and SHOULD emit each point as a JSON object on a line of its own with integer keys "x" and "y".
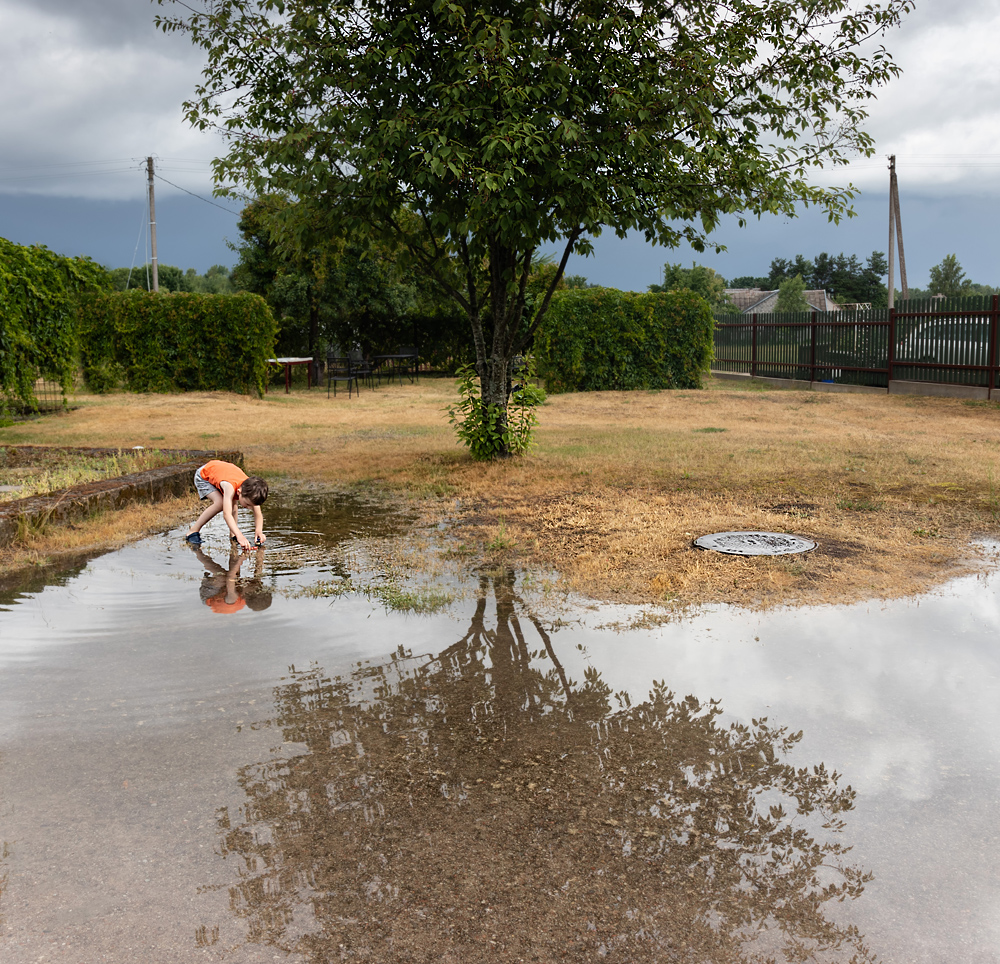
{"x": 255, "y": 490}
{"x": 257, "y": 601}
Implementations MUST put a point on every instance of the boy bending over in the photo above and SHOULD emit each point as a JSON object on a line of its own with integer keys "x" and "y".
{"x": 227, "y": 487}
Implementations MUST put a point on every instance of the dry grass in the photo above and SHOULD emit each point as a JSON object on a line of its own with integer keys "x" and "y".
{"x": 60, "y": 469}
{"x": 45, "y": 545}
{"x": 892, "y": 487}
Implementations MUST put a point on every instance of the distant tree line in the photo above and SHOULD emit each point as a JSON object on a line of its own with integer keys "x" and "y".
{"x": 843, "y": 277}
{"x": 215, "y": 281}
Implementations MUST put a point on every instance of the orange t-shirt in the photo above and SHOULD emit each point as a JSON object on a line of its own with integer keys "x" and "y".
{"x": 218, "y": 472}
{"x": 218, "y": 604}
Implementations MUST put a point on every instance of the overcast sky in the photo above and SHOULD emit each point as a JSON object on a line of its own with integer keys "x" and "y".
{"x": 92, "y": 88}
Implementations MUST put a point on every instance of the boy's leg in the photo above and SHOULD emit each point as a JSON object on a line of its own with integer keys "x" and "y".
{"x": 213, "y": 509}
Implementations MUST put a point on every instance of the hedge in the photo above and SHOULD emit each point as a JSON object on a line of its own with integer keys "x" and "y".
{"x": 596, "y": 339}
{"x": 39, "y": 305}
{"x": 156, "y": 342}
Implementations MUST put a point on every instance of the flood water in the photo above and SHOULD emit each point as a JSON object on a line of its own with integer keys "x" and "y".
{"x": 196, "y": 764}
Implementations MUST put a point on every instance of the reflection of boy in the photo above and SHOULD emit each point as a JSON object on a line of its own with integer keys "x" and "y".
{"x": 227, "y": 486}
{"x": 223, "y": 591}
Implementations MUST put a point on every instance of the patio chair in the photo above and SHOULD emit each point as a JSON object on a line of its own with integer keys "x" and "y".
{"x": 362, "y": 368}
{"x": 339, "y": 369}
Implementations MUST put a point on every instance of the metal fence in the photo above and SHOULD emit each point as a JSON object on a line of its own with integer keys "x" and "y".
{"x": 48, "y": 398}
{"x": 950, "y": 340}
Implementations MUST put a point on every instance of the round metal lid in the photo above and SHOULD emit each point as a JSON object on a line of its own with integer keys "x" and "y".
{"x": 755, "y": 543}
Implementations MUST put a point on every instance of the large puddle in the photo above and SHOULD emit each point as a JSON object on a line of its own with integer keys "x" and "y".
{"x": 198, "y": 764}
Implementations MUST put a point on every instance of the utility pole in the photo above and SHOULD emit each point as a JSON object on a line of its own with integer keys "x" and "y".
{"x": 895, "y": 233}
{"x": 892, "y": 232}
{"x": 894, "y": 188}
{"x": 152, "y": 224}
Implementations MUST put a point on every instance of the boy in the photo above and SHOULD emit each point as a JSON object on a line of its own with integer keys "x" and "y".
{"x": 227, "y": 487}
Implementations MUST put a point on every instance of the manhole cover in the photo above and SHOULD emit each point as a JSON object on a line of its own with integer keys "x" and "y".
{"x": 754, "y": 543}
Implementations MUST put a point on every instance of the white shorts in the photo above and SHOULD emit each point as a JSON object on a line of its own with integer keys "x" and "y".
{"x": 205, "y": 489}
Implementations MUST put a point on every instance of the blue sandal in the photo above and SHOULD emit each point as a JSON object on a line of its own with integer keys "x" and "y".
{"x": 194, "y": 538}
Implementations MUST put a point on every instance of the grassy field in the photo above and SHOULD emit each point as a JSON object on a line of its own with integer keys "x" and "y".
{"x": 893, "y": 488}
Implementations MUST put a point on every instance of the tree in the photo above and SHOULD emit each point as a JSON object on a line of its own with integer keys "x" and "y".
{"x": 699, "y": 279}
{"x": 481, "y": 780}
{"x": 948, "y": 278}
{"x": 215, "y": 281}
{"x": 791, "y": 296}
{"x": 335, "y": 290}
{"x": 844, "y": 278}
{"x": 750, "y": 281}
{"x": 506, "y": 128}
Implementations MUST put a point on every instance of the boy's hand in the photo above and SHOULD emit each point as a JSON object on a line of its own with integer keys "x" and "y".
{"x": 261, "y": 539}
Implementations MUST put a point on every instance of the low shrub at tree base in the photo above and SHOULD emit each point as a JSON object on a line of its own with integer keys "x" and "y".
{"x": 599, "y": 339}
{"x": 147, "y": 342}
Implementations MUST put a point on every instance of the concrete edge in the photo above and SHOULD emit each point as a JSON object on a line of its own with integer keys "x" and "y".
{"x": 799, "y": 384}
{"x": 939, "y": 390}
{"x": 79, "y": 501}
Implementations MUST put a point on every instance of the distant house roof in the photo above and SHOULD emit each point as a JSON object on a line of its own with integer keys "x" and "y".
{"x": 752, "y": 301}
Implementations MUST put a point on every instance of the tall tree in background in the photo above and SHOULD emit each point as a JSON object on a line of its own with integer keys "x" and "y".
{"x": 948, "y": 278}
{"x": 791, "y": 295}
{"x": 699, "y": 279}
{"x": 843, "y": 277}
{"x": 505, "y": 128}
{"x": 330, "y": 290}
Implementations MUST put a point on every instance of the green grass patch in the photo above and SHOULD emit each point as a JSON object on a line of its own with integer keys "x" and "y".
{"x": 394, "y": 598}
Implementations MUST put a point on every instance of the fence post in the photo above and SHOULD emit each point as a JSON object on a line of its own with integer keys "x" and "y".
{"x": 753, "y": 346}
{"x": 994, "y": 310}
{"x": 892, "y": 345}
{"x": 812, "y": 350}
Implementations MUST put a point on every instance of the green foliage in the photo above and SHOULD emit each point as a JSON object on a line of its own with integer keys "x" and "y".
{"x": 500, "y": 129}
{"x": 149, "y": 342}
{"x": 843, "y": 278}
{"x": 699, "y": 279}
{"x": 750, "y": 281}
{"x": 327, "y": 289}
{"x": 490, "y": 430}
{"x": 215, "y": 281}
{"x": 948, "y": 279}
{"x": 39, "y": 305}
{"x": 791, "y": 296}
{"x": 598, "y": 339}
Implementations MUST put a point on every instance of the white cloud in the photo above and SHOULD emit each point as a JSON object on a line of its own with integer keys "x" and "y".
{"x": 88, "y": 106}
{"x": 96, "y": 80}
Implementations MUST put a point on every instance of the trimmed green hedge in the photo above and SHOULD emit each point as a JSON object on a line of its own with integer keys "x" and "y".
{"x": 39, "y": 304}
{"x": 148, "y": 342}
{"x": 599, "y": 339}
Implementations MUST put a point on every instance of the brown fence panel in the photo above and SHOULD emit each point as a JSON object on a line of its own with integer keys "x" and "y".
{"x": 951, "y": 341}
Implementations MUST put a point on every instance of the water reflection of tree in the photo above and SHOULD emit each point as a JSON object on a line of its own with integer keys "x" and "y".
{"x": 482, "y": 806}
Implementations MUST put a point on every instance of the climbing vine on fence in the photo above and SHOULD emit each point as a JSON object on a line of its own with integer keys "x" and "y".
{"x": 599, "y": 339}
{"x": 147, "y": 342}
{"x": 39, "y": 307}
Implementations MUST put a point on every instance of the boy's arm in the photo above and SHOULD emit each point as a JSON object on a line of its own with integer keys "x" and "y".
{"x": 229, "y": 513}
{"x": 258, "y": 524}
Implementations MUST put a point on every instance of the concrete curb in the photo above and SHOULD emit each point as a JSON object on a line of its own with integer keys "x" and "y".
{"x": 896, "y": 386}
{"x": 79, "y": 501}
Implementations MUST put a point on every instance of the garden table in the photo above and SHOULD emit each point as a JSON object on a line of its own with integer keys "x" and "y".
{"x": 288, "y": 362}
{"x": 396, "y": 364}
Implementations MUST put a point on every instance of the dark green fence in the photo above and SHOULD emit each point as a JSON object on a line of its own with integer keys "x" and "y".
{"x": 950, "y": 340}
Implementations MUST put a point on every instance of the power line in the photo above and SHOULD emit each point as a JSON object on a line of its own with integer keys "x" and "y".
{"x": 198, "y": 196}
